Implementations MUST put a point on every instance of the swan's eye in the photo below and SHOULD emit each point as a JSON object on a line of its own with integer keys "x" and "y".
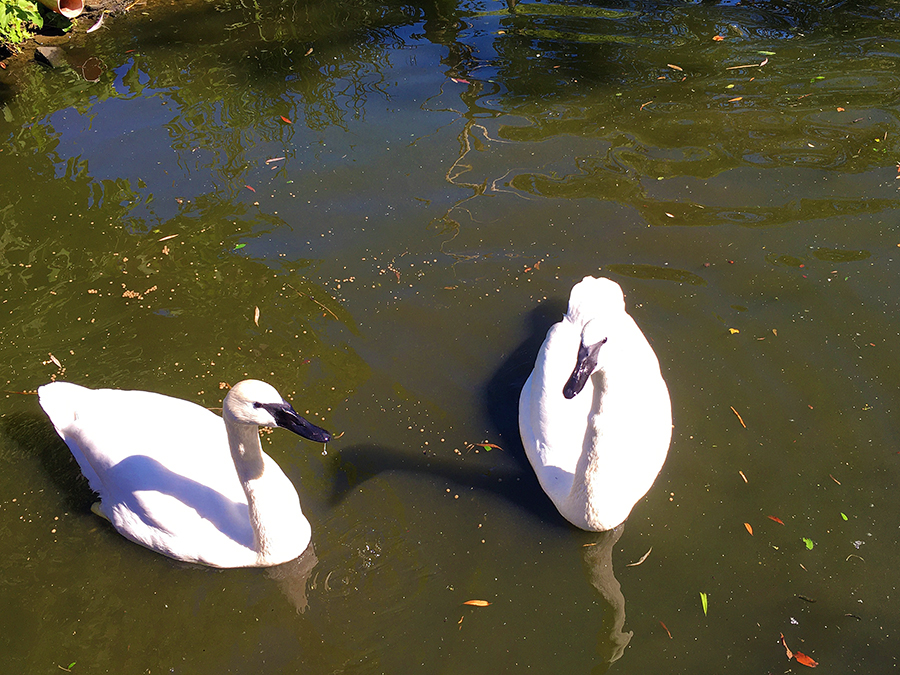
{"x": 257, "y": 404}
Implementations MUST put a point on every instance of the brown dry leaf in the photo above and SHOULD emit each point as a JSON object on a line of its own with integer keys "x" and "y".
{"x": 740, "y": 419}
{"x": 477, "y": 603}
{"x": 743, "y": 476}
{"x": 805, "y": 660}
{"x": 643, "y": 558}
{"x": 674, "y": 67}
{"x": 55, "y": 361}
{"x": 736, "y": 98}
{"x": 790, "y": 654}
{"x": 256, "y": 315}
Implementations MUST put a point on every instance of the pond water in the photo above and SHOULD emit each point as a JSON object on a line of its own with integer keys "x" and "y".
{"x": 380, "y": 208}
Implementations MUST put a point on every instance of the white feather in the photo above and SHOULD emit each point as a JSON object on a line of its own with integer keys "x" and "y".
{"x": 598, "y": 453}
{"x": 167, "y": 472}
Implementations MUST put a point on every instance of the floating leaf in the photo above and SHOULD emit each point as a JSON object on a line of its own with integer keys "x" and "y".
{"x": 733, "y": 330}
{"x": 809, "y": 543}
{"x": 777, "y": 520}
{"x": 740, "y": 419}
{"x": 787, "y": 650}
{"x": 285, "y": 120}
{"x": 666, "y": 629}
{"x": 250, "y": 188}
{"x": 844, "y": 516}
{"x": 477, "y": 603}
{"x": 643, "y": 558}
{"x": 805, "y": 660}
{"x": 256, "y": 315}
{"x": 718, "y": 38}
{"x": 742, "y": 473}
{"x": 704, "y": 602}
{"x": 239, "y": 246}
{"x": 749, "y": 528}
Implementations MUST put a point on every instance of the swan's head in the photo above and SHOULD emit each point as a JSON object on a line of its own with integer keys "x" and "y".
{"x": 255, "y": 402}
{"x": 593, "y": 337}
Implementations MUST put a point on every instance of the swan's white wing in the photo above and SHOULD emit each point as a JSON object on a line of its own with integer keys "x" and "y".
{"x": 161, "y": 466}
{"x": 552, "y": 427}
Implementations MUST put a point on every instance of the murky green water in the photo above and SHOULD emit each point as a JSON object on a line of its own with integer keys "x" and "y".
{"x": 406, "y": 194}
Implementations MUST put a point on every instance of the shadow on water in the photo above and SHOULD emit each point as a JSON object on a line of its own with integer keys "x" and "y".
{"x": 32, "y": 435}
{"x": 511, "y": 476}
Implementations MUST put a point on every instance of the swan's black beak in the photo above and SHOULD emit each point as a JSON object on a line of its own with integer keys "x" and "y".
{"x": 287, "y": 418}
{"x": 585, "y": 366}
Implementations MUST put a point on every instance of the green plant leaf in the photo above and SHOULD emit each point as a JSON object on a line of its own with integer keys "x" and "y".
{"x": 809, "y": 543}
{"x": 704, "y": 602}
{"x": 844, "y": 516}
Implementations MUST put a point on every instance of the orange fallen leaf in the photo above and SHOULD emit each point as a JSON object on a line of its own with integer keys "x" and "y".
{"x": 674, "y": 67}
{"x": 777, "y": 520}
{"x": 250, "y": 188}
{"x": 736, "y": 98}
{"x": 285, "y": 120}
{"x": 749, "y": 528}
{"x": 840, "y": 109}
{"x": 790, "y": 654}
{"x": 666, "y": 629}
{"x": 805, "y": 660}
{"x": 477, "y": 603}
{"x": 743, "y": 476}
{"x": 718, "y": 38}
{"x": 740, "y": 419}
{"x": 834, "y": 479}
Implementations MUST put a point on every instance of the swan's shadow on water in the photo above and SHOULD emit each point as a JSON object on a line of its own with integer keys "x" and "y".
{"x": 510, "y": 475}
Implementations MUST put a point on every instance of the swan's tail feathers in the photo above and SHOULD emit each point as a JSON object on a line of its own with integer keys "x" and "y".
{"x": 60, "y": 402}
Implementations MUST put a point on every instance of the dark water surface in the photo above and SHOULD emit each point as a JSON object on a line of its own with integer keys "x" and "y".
{"x": 406, "y": 193}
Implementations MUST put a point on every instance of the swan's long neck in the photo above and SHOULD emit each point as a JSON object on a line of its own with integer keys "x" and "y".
{"x": 249, "y": 461}
{"x": 621, "y": 454}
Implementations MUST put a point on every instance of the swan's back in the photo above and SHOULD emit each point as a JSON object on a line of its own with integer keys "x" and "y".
{"x": 162, "y": 468}
{"x": 597, "y": 453}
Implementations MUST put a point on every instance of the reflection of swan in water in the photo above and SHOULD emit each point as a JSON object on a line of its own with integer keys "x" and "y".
{"x": 598, "y": 559}
{"x": 292, "y": 577}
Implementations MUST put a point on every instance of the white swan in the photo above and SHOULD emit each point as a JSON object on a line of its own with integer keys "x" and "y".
{"x": 182, "y": 481}
{"x": 595, "y": 415}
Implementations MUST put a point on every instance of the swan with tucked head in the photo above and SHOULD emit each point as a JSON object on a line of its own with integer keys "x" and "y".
{"x": 595, "y": 415}
{"x": 182, "y": 481}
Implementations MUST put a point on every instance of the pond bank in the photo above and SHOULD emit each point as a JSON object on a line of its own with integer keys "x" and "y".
{"x": 53, "y": 49}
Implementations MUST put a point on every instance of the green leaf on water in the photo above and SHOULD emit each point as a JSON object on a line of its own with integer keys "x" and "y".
{"x": 766, "y": 53}
{"x": 844, "y": 516}
{"x": 704, "y": 602}
{"x": 809, "y": 543}
{"x": 237, "y": 246}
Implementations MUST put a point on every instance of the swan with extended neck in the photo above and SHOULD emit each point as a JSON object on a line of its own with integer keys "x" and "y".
{"x": 182, "y": 481}
{"x": 595, "y": 415}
